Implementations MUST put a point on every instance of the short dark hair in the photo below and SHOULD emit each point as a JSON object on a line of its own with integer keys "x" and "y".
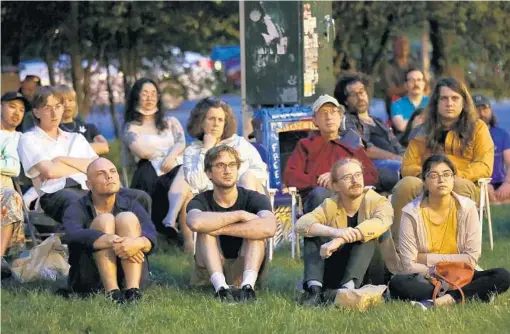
{"x": 340, "y": 93}
{"x": 198, "y": 113}
{"x": 415, "y": 69}
{"x": 434, "y": 160}
{"x": 214, "y": 153}
{"x": 33, "y": 78}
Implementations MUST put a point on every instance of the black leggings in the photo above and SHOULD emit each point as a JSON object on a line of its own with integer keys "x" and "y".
{"x": 484, "y": 284}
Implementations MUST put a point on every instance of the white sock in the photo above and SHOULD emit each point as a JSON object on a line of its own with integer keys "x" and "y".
{"x": 349, "y": 285}
{"x": 249, "y": 277}
{"x": 218, "y": 281}
{"x": 313, "y": 282}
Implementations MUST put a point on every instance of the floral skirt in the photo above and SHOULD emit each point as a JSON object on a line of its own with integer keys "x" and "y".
{"x": 12, "y": 213}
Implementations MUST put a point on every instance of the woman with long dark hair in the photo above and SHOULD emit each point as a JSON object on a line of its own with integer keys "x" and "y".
{"x": 158, "y": 142}
{"x": 441, "y": 226}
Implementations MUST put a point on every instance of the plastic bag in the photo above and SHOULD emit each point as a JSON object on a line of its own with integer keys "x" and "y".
{"x": 362, "y": 298}
{"x": 47, "y": 261}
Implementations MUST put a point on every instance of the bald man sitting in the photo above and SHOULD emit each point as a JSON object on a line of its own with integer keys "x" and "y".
{"x": 109, "y": 237}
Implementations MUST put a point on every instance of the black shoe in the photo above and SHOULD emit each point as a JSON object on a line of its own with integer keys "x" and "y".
{"x": 116, "y": 295}
{"x": 225, "y": 295}
{"x": 133, "y": 295}
{"x": 247, "y": 294}
{"x": 6, "y": 269}
{"x": 313, "y": 296}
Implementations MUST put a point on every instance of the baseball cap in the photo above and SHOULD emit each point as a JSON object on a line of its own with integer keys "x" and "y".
{"x": 322, "y": 100}
{"x": 11, "y": 96}
{"x": 480, "y": 100}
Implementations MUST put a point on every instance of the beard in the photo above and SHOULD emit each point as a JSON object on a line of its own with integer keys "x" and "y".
{"x": 224, "y": 185}
{"x": 355, "y": 191}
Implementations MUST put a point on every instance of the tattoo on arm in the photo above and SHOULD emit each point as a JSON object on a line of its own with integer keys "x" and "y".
{"x": 130, "y": 137}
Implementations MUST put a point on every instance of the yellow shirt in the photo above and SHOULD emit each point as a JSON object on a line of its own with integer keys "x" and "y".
{"x": 442, "y": 238}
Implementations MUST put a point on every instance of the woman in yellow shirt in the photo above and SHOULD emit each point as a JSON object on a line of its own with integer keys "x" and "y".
{"x": 441, "y": 226}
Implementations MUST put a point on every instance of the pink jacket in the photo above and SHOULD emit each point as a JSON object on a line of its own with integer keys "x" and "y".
{"x": 413, "y": 236}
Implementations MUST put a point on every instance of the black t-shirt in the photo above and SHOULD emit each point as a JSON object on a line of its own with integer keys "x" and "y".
{"x": 88, "y": 130}
{"x": 247, "y": 200}
{"x": 352, "y": 221}
{"x": 442, "y": 139}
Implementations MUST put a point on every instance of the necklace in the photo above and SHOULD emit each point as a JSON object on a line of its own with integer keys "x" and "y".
{"x": 73, "y": 129}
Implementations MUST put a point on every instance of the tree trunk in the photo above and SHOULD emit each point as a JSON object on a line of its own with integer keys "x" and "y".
{"x": 438, "y": 61}
{"x": 75, "y": 52}
{"x": 116, "y": 124}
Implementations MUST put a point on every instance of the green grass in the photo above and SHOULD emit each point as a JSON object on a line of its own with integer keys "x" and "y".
{"x": 170, "y": 306}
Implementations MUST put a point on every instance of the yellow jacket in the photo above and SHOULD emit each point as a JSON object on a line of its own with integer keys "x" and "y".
{"x": 474, "y": 163}
{"x": 375, "y": 216}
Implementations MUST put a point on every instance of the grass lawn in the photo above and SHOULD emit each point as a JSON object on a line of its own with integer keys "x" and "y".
{"x": 169, "y": 306}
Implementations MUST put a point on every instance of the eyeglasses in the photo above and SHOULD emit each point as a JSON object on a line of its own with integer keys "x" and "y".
{"x": 434, "y": 176}
{"x": 325, "y": 112}
{"x": 48, "y": 108}
{"x": 351, "y": 177}
{"x": 146, "y": 96}
{"x": 223, "y": 166}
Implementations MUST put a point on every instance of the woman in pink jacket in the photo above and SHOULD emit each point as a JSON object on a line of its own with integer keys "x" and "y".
{"x": 441, "y": 226}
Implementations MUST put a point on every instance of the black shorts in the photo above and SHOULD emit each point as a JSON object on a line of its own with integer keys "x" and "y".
{"x": 55, "y": 204}
{"x": 84, "y": 276}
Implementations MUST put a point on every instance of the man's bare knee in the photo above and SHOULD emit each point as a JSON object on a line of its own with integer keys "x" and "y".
{"x": 253, "y": 245}
{"x": 104, "y": 222}
{"x": 127, "y": 224}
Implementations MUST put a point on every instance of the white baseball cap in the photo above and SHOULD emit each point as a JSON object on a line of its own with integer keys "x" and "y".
{"x": 322, "y": 100}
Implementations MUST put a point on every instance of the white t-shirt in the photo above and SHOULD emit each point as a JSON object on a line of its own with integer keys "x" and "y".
{"x": 36, "y": 146}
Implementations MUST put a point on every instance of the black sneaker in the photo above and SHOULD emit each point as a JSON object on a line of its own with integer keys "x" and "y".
{"x": 247, "y": 294}
{"x": 313, "y": 296}
{"x": 133, "y": 295}
{"x": 225, "y": 295}
{"x": 116, "y": 295}
{"x": 6, "y": 269}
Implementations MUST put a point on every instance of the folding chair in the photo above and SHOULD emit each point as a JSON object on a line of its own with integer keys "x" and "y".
{"x": 485, "y": 204}
{"x": 296, "y": 209}
{"x": 26, "y": 217}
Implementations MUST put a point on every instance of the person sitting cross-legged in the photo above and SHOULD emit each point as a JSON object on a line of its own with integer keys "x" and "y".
{"x": 341, "y": 235}
{"x": 441, "y": 226}
{"x": 452, "y": 128}
{"x": 232, "y": 224}
{"x": 109, "y": 237}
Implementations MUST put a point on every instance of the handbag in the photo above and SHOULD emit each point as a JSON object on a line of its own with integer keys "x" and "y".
{"x": 448, "y": 276}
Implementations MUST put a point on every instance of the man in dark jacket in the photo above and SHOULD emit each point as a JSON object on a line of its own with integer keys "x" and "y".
{"x": 109, "y": 236}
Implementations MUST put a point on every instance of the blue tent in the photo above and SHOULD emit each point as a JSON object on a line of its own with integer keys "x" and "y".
{"x": 224, "y": 53}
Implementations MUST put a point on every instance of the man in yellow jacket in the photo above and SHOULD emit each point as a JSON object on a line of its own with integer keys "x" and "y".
{"x": 451, "y": 128}
{"x": 341, "y": 235}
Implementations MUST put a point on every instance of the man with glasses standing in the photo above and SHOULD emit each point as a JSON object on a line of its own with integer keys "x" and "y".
{"x": 341, "y": 235}
{"x": 382, "y": 146}
{"x": 232, "y": 224}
